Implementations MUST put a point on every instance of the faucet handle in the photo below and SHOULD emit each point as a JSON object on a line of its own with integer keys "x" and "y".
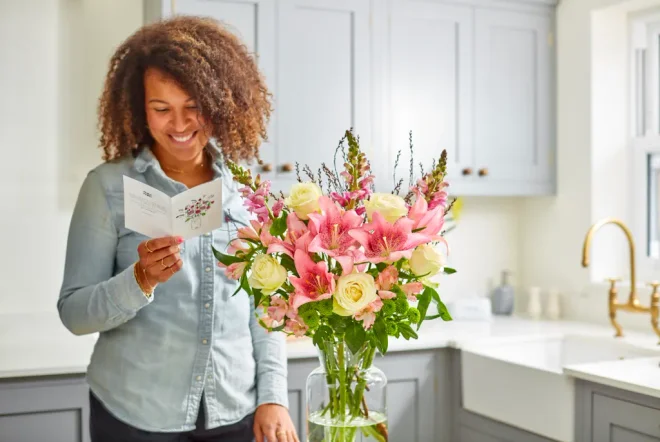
{"x": 654, "y": 284}
{"x": 613, "y": 280}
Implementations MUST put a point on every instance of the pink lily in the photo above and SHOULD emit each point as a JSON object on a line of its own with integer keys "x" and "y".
{"x": 368, "y": 314}
{"x": 330, "y": 230}
{"x": 315, "y": 282}
{"x": 385, "y": 242}
{"x": 430, "y": 222}
{"x": 297, "y": 237}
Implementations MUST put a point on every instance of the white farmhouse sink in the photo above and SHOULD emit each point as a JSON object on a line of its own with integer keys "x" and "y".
{"x": 522, "y": 384}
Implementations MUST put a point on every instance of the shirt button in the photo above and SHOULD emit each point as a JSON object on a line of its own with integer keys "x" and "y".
{"x": 207, "y": 234}
{"x": 208, "y": 269}
{"x": 207, "y": 305}
{"x": 199, "y": 378}
{"x": 204, "y": 341}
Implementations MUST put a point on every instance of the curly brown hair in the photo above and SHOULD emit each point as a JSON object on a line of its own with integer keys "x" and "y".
{"x": 210, "y": 63}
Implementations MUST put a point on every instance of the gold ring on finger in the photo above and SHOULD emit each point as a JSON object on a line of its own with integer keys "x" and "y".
{"x": 172, "y": 270}
{"x": 147, "y": 246}
{"x": 162, "y": 263}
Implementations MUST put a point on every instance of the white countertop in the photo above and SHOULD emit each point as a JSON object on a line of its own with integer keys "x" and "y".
{"x": 38, "y": 344}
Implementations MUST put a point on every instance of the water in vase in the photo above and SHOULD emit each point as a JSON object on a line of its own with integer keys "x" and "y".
{"x": 322, "y": 428}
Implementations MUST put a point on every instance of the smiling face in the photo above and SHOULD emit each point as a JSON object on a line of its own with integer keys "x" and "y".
{"x": 173, "y": 118}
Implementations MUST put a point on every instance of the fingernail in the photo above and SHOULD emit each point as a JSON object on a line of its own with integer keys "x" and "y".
{"x": 179, "y": 239}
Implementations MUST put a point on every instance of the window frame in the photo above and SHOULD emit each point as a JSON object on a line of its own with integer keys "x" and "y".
{"x": 645, "y": 140}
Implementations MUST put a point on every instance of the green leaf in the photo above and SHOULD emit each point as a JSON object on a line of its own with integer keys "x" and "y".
{"x": 288, "y": 263}
{"x": 257, "y": 297}
{"x": 225, "y": 259}
{"x": 380, "y": 330}
{"x": 242, "y": 282}
{"x": 443, "y": 313}
{"x": 449, "y": 270}
{"x": 381, "y": 266}
{"x": 323, "y": 333}
{"x": 406, "y": 331}
{"x": 442, "y": 309}
{"x": 355, "y": 336}
{"x": 423, "y": 305}
{"x": 245, "y": 286}
{"x": 278, "y": 227}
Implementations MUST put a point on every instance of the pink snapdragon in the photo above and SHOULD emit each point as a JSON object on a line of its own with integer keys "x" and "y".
{"x": 255, "y": 201}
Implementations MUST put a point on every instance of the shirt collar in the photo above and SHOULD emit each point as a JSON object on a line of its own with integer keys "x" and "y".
{"x": 146, "y": 159}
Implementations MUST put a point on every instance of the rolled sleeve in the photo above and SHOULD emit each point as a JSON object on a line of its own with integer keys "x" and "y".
{"x": 92, "y": 299}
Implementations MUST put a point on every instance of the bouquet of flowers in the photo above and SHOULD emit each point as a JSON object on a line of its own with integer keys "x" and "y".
{"x": 344, "y": 265}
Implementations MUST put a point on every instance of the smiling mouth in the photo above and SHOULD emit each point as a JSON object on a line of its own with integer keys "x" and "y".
{"x": 183, "y": 139}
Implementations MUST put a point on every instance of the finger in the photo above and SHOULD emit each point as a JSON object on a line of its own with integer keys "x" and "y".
{"x": 270, "y": 434}
{"x": 258, "y": 434}
{"x": 153, "y": 244}
{"x": 161, "y": 272}
{"x": 150, "y": 258}
{"x": 293, "y": 436}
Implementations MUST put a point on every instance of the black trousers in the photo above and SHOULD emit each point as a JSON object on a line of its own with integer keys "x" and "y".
{"x": 104, "y": 427}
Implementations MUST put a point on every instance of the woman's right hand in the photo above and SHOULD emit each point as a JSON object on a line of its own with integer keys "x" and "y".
{"x": 159, "y": 259}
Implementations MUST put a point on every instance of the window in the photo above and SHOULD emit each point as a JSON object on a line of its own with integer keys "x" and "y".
{"x": 645, "y": 142}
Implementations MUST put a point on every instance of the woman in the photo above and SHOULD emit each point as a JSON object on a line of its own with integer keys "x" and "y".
{"x": 177, "y": 358}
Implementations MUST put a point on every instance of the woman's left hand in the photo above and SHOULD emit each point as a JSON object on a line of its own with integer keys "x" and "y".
{"x": 273, "y": 422}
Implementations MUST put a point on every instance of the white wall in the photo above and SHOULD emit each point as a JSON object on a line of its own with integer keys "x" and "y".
{"x": 592, "y": 42}
{"x": 53, "y": 56}
{"x": 48, "y": 125}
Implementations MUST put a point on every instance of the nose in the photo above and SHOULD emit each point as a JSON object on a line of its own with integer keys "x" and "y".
{"x": 181, "y": 121}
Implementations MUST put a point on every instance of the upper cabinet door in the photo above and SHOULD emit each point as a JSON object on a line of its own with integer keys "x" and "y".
{"x": 252, "y": 21}
{"x": 431, "y": 72}
{"x": 513, "y": 104}
{"x": 323, "y": 81}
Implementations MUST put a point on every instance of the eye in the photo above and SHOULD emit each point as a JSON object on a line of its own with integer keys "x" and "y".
{"x": 161, "y": 110}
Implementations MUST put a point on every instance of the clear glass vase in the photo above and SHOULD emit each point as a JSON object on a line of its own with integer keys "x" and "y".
{"x": 346, "y": 396}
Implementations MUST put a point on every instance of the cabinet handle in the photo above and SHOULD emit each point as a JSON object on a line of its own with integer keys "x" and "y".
{"x": 483, "y": 172}
{"x": 287, "y": 167}
{"x": 267, "y": 167}
{"x": 467, "y": 171}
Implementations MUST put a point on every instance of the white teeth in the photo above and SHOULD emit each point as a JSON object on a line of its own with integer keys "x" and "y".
{"x": 183, "y": 139}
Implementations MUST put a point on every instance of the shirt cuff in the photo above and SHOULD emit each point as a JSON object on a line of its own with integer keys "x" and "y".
{"x": 272, "y": 389}
{"x": 130, "y": 297}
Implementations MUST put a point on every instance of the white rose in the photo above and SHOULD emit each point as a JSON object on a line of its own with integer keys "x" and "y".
{"x": 353, "y": 293}
{"x": 267, "y": 274}
{"x": 304, "y": 199}
{"x": 391, "y": 207}
{"x": 426, "y": 260}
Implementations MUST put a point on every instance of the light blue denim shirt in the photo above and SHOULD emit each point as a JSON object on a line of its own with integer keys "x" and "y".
{"x": 155, "y": 356}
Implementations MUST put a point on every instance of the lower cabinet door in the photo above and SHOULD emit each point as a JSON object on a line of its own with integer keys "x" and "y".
{"x": 618, "y": 420}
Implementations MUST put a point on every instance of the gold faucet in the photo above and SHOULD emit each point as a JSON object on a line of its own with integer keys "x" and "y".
{"x": 633, "y": 304}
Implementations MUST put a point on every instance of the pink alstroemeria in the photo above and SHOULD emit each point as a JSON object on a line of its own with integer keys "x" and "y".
{"x": 315, "y": 282}
{"x": 368, "y": 314}
{"x": 426, "y": 221}
{"x": 298, "y": 328}
{"x": 386, "y": 279}
{"x": 235, "y": 246}
{"x": 411, "y": 289}
{"x": 330, "y": 230}
{"x": 385, "y": 242}
{"x": 234, "y": 270}
{"x": 278, "y": 308}
{"x": 250, "y": 232}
